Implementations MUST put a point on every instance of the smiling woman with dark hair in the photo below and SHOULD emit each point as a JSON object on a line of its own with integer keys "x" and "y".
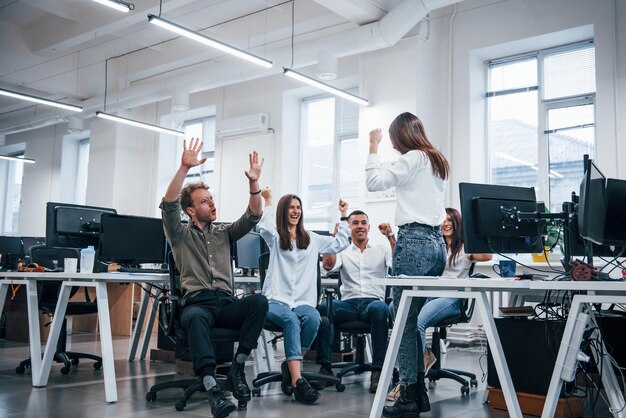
{"x": 291, "y": 283}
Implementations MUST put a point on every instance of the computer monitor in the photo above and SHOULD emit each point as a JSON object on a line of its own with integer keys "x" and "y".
{"x": 29, "y": 242}
{"x": 10, "y": 252}
{"x": 129, "y": 240}
{"x": 491, "y": 221}
{"x": 600, "y": 208}
{"x": 73, "y": 226}
{"x": 248, "y": 250}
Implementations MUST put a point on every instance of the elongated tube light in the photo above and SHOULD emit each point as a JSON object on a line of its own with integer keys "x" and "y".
{"x": 40, "y": 100}
{"x": 326, "y": 87}
{"x": 22, "y": 159}
{"x": 120, "y": 6}
{"x": 138, "y": 124}
{"x": 213, "y": 43}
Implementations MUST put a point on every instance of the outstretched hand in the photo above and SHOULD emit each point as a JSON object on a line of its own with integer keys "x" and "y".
{"x": 266, "y": 193}
{"x": 375, "y": 136}
{"x": 254, "y": 172}
{"x": 190, "y": 155}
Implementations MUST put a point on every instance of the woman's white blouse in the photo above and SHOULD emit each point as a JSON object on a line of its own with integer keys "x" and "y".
{"x": 291, "y": 277}
{"x": 419, "y": 192}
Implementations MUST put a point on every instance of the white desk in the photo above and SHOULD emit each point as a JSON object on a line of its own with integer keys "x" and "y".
{"x": 41, "y": 367}
{"x": 452, "y": 288}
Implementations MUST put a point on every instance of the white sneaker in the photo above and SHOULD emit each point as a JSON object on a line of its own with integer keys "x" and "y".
{"x": 429, "y": 360}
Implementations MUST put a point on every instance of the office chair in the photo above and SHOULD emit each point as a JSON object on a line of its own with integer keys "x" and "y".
{"x": 437, "y": 372}
{"x": 169, "y": 315}
{"x": 358, "y": 331}
{"x": 48, "y": 291}
{"x": 277, "y": 376}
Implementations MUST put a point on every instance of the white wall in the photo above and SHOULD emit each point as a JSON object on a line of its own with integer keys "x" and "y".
{"x": 129, "y": 168}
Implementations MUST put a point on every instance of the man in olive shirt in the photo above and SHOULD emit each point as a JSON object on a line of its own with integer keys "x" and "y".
{"x": 201, "y": 250}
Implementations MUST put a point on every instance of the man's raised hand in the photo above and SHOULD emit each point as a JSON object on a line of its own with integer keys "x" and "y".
{"x": 254, "y": 172}
{"x": 190, "y": 155}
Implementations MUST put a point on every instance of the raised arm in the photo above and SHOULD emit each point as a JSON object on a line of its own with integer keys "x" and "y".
{"x": 375, "y": 136}
{"x": 254, "y": 172}
{"x": 188, "y": 160}
{"x": 386, "y": 230}
{"x": 329, "y": 260}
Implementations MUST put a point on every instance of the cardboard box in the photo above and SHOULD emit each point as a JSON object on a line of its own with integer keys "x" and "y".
{"x": 533, "y": 404}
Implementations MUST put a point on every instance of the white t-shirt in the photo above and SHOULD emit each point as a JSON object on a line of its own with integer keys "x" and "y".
{"x": 460, "y": 266}
{"x": 358, "y": 268}
{"x": 420, "y": 193}
{"x": 291, "y": 276}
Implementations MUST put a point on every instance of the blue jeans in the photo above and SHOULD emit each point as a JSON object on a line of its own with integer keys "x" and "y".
{"x": 370, "y": 310}
{"x": 420, "y": 251}
{"x": 299, "y": 327}
{"x": 434, "y": 311}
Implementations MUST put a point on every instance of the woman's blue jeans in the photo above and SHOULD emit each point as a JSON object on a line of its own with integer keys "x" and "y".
{"x": 434, "y": 311}
{"x": 420, "y": 251}
{"x": 299, "y": 326}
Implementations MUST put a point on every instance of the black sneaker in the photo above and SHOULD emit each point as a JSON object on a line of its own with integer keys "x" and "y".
{"x": 321, "y": 384}
{"x": 237, "y": 382}
{"x": 303, "y": 392}
{"x": 285, "y": 384}
{"x": 220, "y": 406}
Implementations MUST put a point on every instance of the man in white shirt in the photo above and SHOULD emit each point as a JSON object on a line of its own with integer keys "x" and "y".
{"x": 360, "y": 299}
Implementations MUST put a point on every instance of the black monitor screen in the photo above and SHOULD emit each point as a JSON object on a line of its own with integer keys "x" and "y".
{"x": 73, "y": 226}
{"x": 11, "y": 245}
{"x": 29, "y": 242}
{"x": 591, "y": 204}
{"x": 128, "y": 239}
{"x": 614, "y": 219}
{"x": 490, "y": 222}
{"x": 248, "y": 251}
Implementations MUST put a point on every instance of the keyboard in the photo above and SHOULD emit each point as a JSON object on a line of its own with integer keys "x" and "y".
{"x": 142, "y": 270}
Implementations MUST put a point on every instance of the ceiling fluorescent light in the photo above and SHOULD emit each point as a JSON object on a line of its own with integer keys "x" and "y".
{"x": 323, "y": 86}
{"x": 121, "y": 6}
{"x": 137, "y": 124}
{"x": 22, "y": 159}
{"x": 40, "y": 100}
{"x": 240, "y": 53}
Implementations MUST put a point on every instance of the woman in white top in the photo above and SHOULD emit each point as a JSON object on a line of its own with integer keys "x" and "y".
{"x": 420, "y": 177}
{"x": 291, "y": 283}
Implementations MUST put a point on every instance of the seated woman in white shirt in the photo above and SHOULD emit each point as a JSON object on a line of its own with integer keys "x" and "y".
{"x": 291, "y": 283}
{"x": 438, "y": 309}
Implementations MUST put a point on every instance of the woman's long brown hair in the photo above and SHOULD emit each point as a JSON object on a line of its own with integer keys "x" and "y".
{"x": 282, "y": 224}
{"x": 456, "y": 243}
{"x": 407, "y": 133}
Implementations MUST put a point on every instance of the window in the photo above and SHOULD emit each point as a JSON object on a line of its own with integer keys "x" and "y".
{"x": 205, "y": 130}
{"x": 13, "y": 172}
{"x": 329, "y": 169}
{"x": 541, "y": 119}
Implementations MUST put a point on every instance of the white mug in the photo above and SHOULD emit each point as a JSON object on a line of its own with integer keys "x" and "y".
{"x": 70, "y": 265}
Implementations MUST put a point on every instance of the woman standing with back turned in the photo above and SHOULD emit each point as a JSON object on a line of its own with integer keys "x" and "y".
{"x": 420, "y": 176}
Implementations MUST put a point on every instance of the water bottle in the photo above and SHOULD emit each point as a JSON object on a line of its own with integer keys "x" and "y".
{"x": 87, "y": 258}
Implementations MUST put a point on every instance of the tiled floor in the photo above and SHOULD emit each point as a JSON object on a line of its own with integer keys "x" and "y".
{"x": 81, "y": 392}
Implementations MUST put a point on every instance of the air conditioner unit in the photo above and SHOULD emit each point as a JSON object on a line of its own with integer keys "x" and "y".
{"x": 243, "y": 125}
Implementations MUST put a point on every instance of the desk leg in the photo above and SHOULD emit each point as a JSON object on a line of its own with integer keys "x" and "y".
{"x": 106, "y": 342}
{"x": 4, "y": 287}
{"x": 34, "y": 336}
{"x": 55, "y": 331}
{"x": 391, "y": 355}
{"x": 148, "y": 330}
{"x": 498, "y": 355}
{"x": 134, "y": 341}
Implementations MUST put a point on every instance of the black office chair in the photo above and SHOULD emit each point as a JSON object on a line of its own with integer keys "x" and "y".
{"x": 277, "y": 376}
{"x": 358, "y": 331}
{"x": 436, "y": 372}
{"x": 48, "y": 291}
{"x": 169, "y": 315}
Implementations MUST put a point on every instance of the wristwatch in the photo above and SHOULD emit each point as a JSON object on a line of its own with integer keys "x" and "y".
{"x": 391, "y": 234}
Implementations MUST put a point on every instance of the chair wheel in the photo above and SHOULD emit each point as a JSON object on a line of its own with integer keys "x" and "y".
{"x": 20, "y": 369}
{"x": 65, "y": 370}
{"x": 464, "y": 391}
{"x": 97, "y": 365}
{"x": 180, "y": 405}
{"x": 242, "y": 405}
{"x": 474, "y": 383}
{"x": 340, "y": 387}
{"x": 256, "y": 392}
{"x": 151, "y": 396}
{"x": 74, "y": 362}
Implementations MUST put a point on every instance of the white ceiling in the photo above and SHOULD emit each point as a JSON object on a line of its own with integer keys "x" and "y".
{"x": 58, "y": 48}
